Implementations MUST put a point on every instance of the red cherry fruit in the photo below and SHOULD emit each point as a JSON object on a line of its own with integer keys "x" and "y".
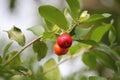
{"x": 64, "y": 40}
{"x": 59, "y": 51}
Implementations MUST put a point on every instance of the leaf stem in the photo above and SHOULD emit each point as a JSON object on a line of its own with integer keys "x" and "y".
{"x": 20, "y": 51}
{"x": 70, "y": 57}
{"x": 73, "y": 26}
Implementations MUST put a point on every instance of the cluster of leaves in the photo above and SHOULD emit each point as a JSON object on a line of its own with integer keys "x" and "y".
{"x": 87, "y": 31}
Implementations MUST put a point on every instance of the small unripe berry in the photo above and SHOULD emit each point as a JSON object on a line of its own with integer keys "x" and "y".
{"x": 59, "y": 51}
{"x": 64, "y": 41}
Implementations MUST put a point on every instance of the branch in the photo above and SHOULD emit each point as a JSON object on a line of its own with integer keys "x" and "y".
{"x": 70, "y": 57}
{"x": 20, "y": 51}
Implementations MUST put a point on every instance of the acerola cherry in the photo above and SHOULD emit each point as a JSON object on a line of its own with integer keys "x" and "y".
{"x": 58, "y": 50}
{"x": 64, "y": 41}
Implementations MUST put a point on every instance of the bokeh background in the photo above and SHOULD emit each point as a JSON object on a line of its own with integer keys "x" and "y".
{"x": 24, "y": 14}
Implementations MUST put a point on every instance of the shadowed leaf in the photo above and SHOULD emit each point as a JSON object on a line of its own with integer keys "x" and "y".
{"x": 41, "y": 49}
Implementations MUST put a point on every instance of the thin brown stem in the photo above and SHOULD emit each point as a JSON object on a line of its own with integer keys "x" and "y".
{"x": 20, "y": 51}
{"x": 70, "y": 57}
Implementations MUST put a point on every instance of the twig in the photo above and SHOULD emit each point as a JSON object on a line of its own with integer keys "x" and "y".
{"x": 70, "y": 57}
{"x": 20, "y": 51}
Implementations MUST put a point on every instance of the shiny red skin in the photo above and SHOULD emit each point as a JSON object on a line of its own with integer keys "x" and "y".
{"x": 64, "y": 40}
{"x": 58, "y": 50}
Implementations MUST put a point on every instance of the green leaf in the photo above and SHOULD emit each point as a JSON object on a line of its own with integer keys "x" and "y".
{"x": 16, "y": 61}
{"x": 105, "y": 59}
{"x": 20, "y": 68}
{"x": 39, "y": 71}
{"x": 6, "y": 74}
{"x": 116, "y": 51}
{"x": 17, "y": 35}
{"x": 112, "y": 35}
{"x": 41, "y": 49}
{"x": 6, "y": 49}
{"x": 53, "y": 15}
{"x": 83, "y": 77}
{"x": 54, "y": 74}
{"x": 89, "y": 59}
{"x": 49, "y": 35}
{"x": 59, "y": 58}
{"x": 72, "y": 77}
{"x": 55, "y": 29}
{"x": 49, "y": 25}
{"x": 37, "y": 30}
{"x": 96, "y": 17}
{"x": 12, "y": 4}
{"x": 34, "y": 77}
{"x": 68, "y": 17}
{"x": 96, "y": 78}
{"x": 118, "y": 66}
{"x": 0, "y": 59}
{"x": 74, "y": 49}
{"x": 104, "y": 47}
{"x": 99, "y": 32}
{"x": 16, "y": 77}
{"x": 74, "y": 8}
{"x": 89, "y": 42}
{"x": 84, "y": 16}
{"x": 80, "y": 32}
{"x": 117, "y": 1}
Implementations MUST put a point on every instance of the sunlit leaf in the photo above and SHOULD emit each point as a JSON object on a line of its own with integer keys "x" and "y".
{"x": 16, "y": 34}
{"x": 16, "y": 77}
{"x": 37, "y": 30}
{"x": 84, "y": 16}
{"x": 41, "y": 49}
{"x": 53, "y": 15}
{"x": 96, "y": 17}
{"x": 74, "y": 8}
{"x": 89, "y": 59}
{"x": 54, "y": 74}
{"x": 49, "y": 35}
{"x": 99, "y": 32}
{"x": 96, "y": 78}
{"x": 55, "y": 29}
